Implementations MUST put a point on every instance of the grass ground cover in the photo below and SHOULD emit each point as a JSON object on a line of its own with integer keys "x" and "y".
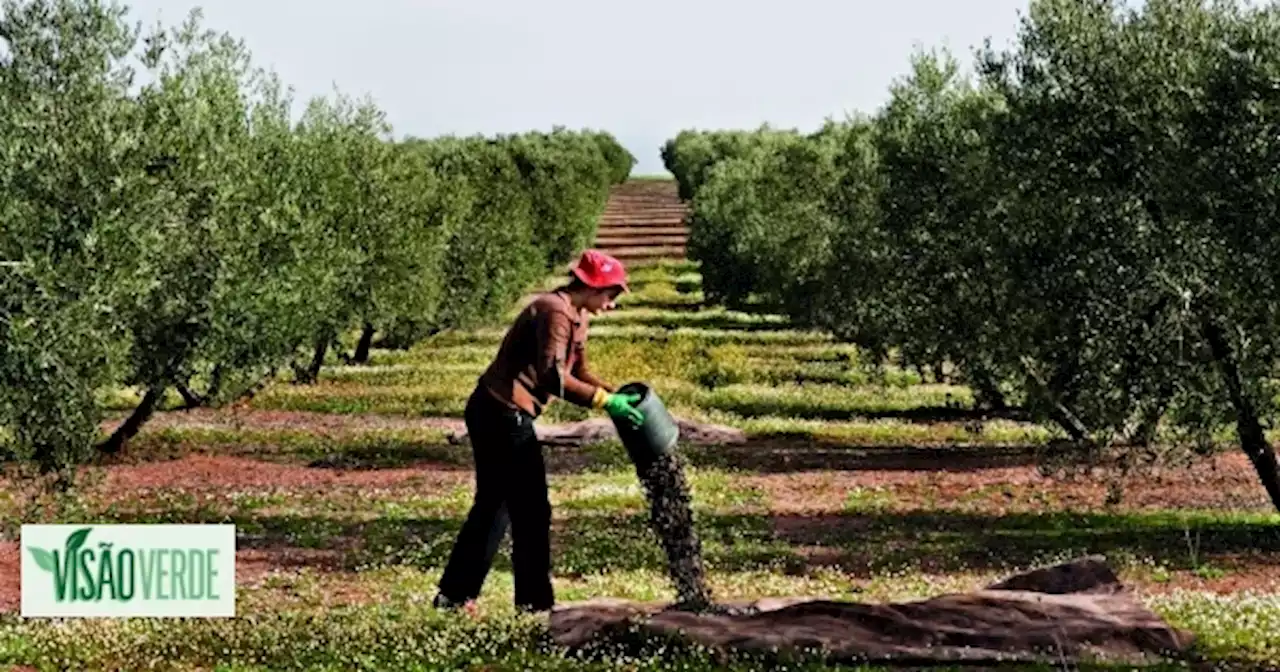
{"x": 854, "y": 483}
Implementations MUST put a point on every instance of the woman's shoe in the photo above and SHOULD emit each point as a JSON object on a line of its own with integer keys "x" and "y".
{"x": 442, "y": 602}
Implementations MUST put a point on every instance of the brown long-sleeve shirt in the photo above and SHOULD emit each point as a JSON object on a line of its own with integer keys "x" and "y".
{"x": 543, "y": 355}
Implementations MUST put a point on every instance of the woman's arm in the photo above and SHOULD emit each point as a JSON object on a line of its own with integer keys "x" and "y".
{"x": 554, "y": 333}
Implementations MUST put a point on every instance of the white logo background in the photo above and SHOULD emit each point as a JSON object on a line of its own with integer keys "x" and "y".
{"x": 39, "y": 596}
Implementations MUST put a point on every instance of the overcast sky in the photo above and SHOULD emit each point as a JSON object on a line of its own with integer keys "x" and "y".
{"x": 641, "y": 70}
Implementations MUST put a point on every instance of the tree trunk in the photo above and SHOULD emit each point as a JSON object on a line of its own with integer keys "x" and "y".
{"x": 362, "y": 348}
{"x": 1063, "y": 384}
{"x": 190, "y": 399}
{"x": 1252, "y": 438}
{"x": 1058, "y": 411}
{"x": 403, "y": 337}
{"x": 193, "y": 400}
{"x": 130, "y": 428}
{"x": 215, "y": 383}
{"x": 312, "y": 372}
{"x": 986, "y": 391}
{"x": 1143, "y": 432}
{"x": 249, "y": 393}
{"x": 1069, "y": 422}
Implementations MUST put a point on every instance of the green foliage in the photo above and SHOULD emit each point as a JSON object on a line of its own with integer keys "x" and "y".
{"x": 568, "y": 176}
{"x": 73, "y": 201}
{"x": 233, "y": 272}
{"x": 761, "y": 228}
{"x": 380, "y": 215}
{"x": 517, "y": 207}
{"x": 620, "y": 160}
{"x": 186, "y": 234}
{"x": 1145, "y": 282}
{"x": 492, "y": 254}
{"x": 1086, "y": 230}
{"x": 691, "y": 155}
{"x": 909, "y": 274}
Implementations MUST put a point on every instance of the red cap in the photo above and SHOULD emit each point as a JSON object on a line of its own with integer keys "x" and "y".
{"x": 600, "y": 270}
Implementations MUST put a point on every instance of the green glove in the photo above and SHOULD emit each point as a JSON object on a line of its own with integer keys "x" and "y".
{"x": 623, "y": 406}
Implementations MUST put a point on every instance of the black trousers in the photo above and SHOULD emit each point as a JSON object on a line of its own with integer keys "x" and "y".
{"x": 511, "y": 491}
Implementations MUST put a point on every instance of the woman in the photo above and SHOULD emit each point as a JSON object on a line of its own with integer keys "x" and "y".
{"x": 543, "y": 355}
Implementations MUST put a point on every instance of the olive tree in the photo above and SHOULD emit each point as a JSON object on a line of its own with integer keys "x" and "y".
{"x": 230, "y": 277}
{"x": 377, "y": 207}
{"x": 761, "y": 226}
{"x": 619, "y": 159}
{"x": 492, "y": 254}
{"x": 406, "y": 281}
{"x": 936, "y": 285}
{"x": 72, "y": 200}
{"x": 568, "y": 177}
{"x": 692, "y": 154}
{"x": 1137, "y": 191}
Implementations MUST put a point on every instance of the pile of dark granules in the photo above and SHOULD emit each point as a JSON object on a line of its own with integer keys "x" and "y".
{"x": 671, "y": 517}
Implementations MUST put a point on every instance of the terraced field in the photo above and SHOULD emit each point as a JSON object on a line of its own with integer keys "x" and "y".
{"x": 644, "y": 222}
{"x": 852, "y": 483}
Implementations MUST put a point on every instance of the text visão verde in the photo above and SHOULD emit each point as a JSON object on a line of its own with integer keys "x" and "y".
{"x": 159, "y": 574}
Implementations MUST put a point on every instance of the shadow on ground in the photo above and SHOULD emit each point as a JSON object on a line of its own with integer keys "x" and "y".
{"x": 689, "y": 319}
{"x": 860, "y": 543}
{"x": 766, "y": 456}
{"x": 807, "y": 409}
{"x": 793, "y": 455}
{"x": 780, "y": 454}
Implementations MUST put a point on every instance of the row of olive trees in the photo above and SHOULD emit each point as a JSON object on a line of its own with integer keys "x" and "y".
{"x": 760, "y": 226}
{"x": 167, "y": 225}
{"x": 1084, "y": 230}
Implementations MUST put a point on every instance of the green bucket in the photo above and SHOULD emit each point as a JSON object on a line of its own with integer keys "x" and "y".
{"x": 656, "y": 436}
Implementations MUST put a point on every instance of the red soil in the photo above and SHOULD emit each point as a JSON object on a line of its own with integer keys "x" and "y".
{"x": 216, "y": 472}
{"x": 809, "y": 506}
{"x": 205, "y": 474}
{"x": 1225, "y": 482}
{"x": 319, "y": 423}
{"x": 10, "y": 578}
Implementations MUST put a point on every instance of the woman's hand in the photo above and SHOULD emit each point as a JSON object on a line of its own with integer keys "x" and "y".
{"x": 623, "y": 406}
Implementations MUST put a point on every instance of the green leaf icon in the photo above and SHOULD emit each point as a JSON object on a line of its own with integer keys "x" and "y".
{"x": 43, "y": 558}
{"x": 76, "y": 540}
